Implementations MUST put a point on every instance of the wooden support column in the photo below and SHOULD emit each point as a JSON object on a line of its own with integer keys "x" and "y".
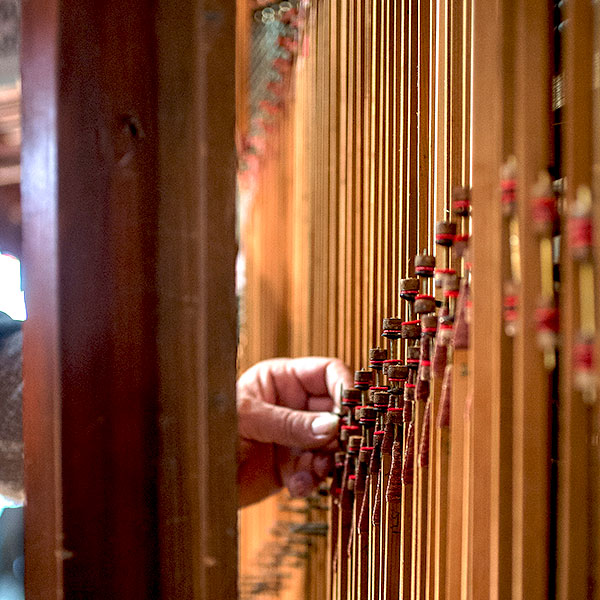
{"x": 129, "y": 351}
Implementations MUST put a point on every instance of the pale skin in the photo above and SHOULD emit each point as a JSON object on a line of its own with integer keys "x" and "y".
{"x": 287, "y": 426}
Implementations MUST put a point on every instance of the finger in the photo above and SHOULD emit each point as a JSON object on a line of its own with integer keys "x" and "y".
{"x": 290, "y": 382}
{"x": 301, "y": 484}
{"x": 272, "y": 424}
{"x": 322, "y": 464}
{"x": 320, "y": 376}
{"x": 297, "y": 472}
{"x": 276, "y": 382}
{"x": 320, "y": 404}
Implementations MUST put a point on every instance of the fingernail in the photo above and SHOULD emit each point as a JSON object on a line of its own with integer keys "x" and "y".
{"x": 325, "y": 425}
{"x": 300, "y": 484}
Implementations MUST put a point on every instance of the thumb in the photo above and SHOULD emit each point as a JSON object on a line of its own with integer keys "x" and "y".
{"x": 271, "y": 424}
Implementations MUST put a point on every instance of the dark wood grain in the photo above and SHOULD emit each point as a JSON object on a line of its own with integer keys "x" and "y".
{"x": 128, "y": 201}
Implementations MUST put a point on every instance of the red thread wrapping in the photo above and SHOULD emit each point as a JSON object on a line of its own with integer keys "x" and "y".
{"x": 394, "y": 488}
{"x": 580, "y": 232}
{"x": 509, "y": 187}
{"x": 583, "y": 356}
{"x": 461, "y": 326}
{"x": 424, "y": 442}
{"x": 446, "y": 271}
{"x": 361, "y": 473}
{"x": 376, "y": 516}
{"x": 345, "y": 477}
{"x": 408, "y": 468}
{"x": 544, "y": 210}
{"x": 407, "y": 413}
{"x": 445, "y": 399}
{"x": 440, "y": 357}
{"x": 424, "y": 372}
{"x": 422, "y": 390}
{"x": 547, "y": 319}
{"x": 363, "y": 519}
{"x": 460, "y": 204}
{"x": 388, "y": 438}
{"x": 374, "y": 466}
{"x": 336, "y": 482}
{"x": 375, "y": 463}
{"x": 396, "y": 416}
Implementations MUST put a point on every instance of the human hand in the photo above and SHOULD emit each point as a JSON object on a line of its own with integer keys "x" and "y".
{"x": 287, "y": 431}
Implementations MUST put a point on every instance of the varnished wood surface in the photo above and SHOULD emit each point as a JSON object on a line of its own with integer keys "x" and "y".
{"x": 489, "y": 529}
{"x": 532, "y": 404}
{"x": 127, "y": 249}
{"x": 575, "y": 570}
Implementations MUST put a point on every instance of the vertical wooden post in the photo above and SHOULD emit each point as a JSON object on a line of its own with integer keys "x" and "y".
{"x": 531, "y": 446}
{"x": 196, "y": 256}
{"x": 487, "y": 282}
{"x": 129, "y": 351}
{"x": 42, "y": 407}
{"x": 576, "y": 541}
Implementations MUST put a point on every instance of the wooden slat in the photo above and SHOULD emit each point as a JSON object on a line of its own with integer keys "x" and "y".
{"x": 487, "y": 297}
{"x": 531, "y": 458}
{"x": 595, "y": 463}
{"x": 575, "y": 501}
